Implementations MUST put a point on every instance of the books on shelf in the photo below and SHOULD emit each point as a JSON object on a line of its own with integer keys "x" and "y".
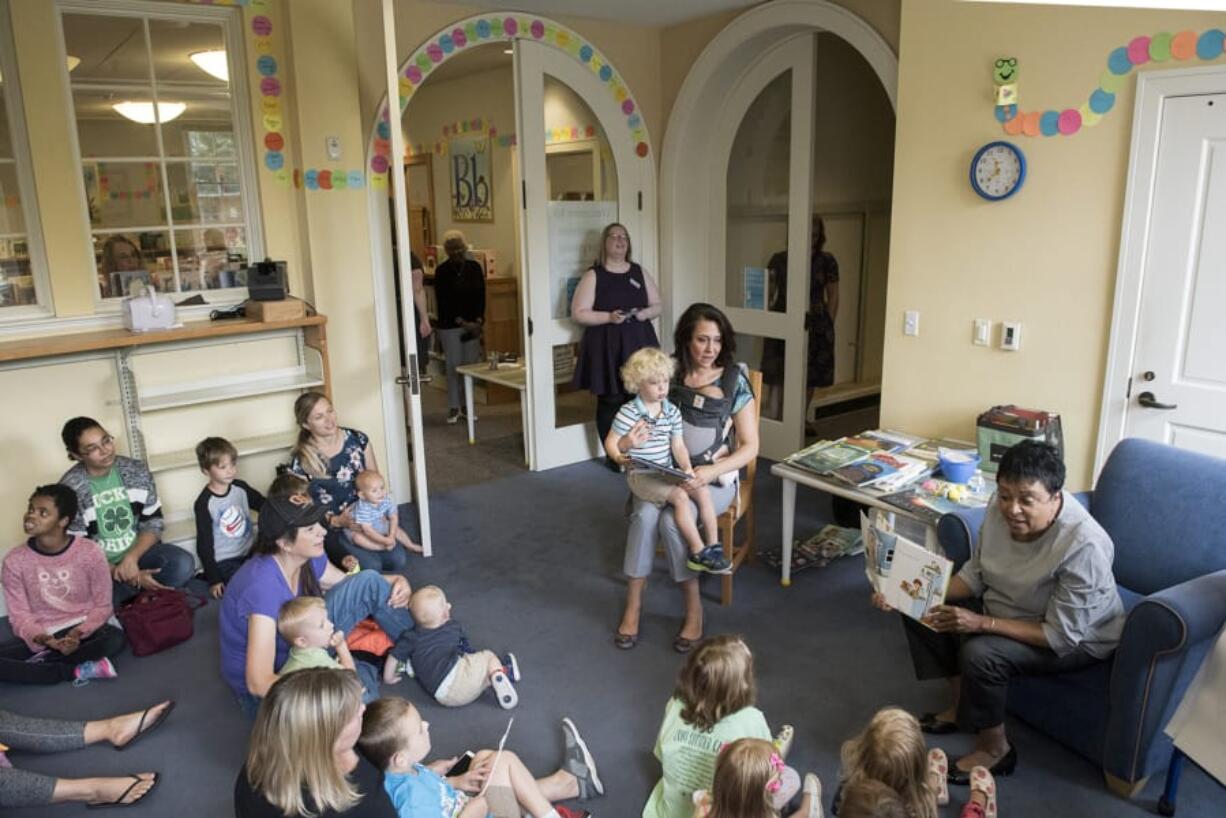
{"x": 912, "y": 579}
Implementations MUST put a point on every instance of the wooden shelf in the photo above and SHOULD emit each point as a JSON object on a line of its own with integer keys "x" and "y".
{"x": 249, "y": 386}
{"x": 259, "y": 444}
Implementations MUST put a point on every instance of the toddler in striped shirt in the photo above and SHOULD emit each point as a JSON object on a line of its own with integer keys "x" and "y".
{"x": 376, "y": 517}
{"x": 649, "y": 429}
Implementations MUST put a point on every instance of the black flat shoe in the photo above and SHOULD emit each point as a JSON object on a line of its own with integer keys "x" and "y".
{"x": 625, "y": 641}
{"x": 1005, "y": 766}
{"x": 683, "y": 645}
{"x": 929, "y": 723}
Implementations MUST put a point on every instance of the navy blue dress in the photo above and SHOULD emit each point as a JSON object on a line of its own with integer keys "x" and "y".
{"x": 605, "y": 347}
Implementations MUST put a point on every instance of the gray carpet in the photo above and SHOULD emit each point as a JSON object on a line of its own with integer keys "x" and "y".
{"x": 532, "y": 564}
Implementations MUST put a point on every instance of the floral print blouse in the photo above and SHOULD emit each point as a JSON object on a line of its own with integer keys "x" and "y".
{"x": 337, "y": 489}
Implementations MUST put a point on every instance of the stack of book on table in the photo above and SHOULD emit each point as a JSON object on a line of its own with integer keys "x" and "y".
{"x": 870, "y": 459}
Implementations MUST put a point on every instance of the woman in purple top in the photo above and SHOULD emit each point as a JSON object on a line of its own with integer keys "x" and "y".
{"x": 287, "y": 561}
{"x": 615, "y": 302}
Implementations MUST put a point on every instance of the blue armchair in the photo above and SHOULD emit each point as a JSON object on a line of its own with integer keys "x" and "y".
{"x": 1164, "y": 509}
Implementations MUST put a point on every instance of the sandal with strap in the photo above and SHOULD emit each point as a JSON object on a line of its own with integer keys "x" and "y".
{"x": 938, "y": 769}
{"x": 136, "y": 782}
{"x": 625, "y": 641}
{"x": 141, "y": 729}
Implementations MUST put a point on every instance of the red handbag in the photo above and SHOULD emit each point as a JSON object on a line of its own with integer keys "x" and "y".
{"x": 157, "y": 620}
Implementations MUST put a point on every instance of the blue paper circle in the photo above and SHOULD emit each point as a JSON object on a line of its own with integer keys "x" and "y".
{"x": 585, "y": 54}
{"x": 1049, "y": 123}
{"x": 384, "y": 129}
{"x": 447, "y": 44}
{"x": 483, "y": 28}
{"x": 311, "y": 179}
{"x": 1118, "y": 62}
{"x": 274, "y": 160}
{"x": 1004, "y": 113}
{"x": 266, "y": 65}
{"x": 1101, "y": 101}
{"x": 355, "y": 178}
{"x": 605, "y": 73}
{"x": 1209, "y": 46}
{"x": 634, "y": 121}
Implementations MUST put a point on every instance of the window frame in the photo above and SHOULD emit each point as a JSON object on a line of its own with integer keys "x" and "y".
{"x": 40, "y": 271}
{"x": 230, "y": 20}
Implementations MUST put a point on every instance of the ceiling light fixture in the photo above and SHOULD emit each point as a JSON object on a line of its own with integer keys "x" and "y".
{"x": 142, "y": 112}
{"x": 212, "y": 62}
{"x": 508, "y": 51}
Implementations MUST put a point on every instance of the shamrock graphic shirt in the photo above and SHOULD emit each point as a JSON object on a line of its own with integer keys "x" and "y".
{"x": 116, "y": 522}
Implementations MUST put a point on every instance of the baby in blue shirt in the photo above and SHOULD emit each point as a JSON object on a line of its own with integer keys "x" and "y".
{"x": 376, "y": 516}
{"x": 396, "y": 740}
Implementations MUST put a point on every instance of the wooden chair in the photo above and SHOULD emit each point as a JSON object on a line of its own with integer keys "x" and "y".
{"x": 742, "y": 507}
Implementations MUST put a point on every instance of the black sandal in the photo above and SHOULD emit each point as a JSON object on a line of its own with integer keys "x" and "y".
{"x": 141, "y": 729}
{"x": 929, "y": 723}
{"x": 136, "y": 782}
{"x": 683, "y": 645}
{"x": 625, "y": 641}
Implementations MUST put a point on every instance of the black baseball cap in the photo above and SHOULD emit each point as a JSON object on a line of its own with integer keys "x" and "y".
{"x": 279, "y": 515}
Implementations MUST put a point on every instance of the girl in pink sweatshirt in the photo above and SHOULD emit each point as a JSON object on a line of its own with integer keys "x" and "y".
{"x": 57, "y": 588}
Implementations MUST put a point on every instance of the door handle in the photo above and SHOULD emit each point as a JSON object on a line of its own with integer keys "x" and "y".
{"x": 405, "y": 380}
{"x": 1148, "y": 400}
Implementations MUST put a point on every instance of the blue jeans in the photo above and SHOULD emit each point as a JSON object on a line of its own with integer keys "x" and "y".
{"x": 174, "y": 568}
{"x": 385, "y": 562}
{"x": 363, "y": 595}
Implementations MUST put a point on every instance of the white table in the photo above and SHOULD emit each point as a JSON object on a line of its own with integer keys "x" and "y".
{"x": 792, "y": 476}
{"x": 513, "y": 376}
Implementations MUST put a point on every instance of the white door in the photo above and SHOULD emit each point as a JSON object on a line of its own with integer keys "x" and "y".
{"x": 574, "y": 183}
{"x": 1178, "y": 389}
{"x": 761, "y": 209}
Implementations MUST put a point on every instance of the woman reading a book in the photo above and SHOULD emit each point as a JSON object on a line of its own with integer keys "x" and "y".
{"x": 711, "y": 388}
{"x": 1036, "y": 597}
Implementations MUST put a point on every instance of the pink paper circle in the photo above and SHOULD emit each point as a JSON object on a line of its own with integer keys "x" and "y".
{"x": 270, "y": 87}
{"x": 434, "y": 52}
{"x": 261, "y": 25}
{"x": 1069, "y": 122}
{"x": 538, "y": 29}
{"x": 1138, "y": 50}
{"x": 510, "y": 26}
{"x": 459, "y": 38}
{"x": 413, "y": 74}
{"x": 628, "y": 107}
{"x": 378, "y": 164}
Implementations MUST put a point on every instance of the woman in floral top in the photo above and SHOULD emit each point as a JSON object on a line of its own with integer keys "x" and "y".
{"x": 331, "y": 456}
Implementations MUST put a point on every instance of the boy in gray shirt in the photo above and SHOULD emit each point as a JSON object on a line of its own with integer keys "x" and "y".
{"x": 224, "y": 530}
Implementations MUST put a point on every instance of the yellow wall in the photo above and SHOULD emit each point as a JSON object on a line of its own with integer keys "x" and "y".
{"x": 1046, "y": 257}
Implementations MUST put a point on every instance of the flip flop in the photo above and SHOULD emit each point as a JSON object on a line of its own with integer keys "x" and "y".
{"x": 141, "y": 729}
{"x": 136, "y": 782}
{"x": 625, "y": 641}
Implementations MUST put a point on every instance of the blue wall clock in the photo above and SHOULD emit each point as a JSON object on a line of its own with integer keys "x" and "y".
{"x": 998, "y": 170}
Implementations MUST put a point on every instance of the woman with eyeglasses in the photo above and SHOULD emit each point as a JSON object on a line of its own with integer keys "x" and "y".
{"x": 121, "y": 511}
{"x": 615, "y": 303}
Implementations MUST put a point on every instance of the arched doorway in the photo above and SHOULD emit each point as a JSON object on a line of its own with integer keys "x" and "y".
{"x": 545, "y": 53}
{"x": 746, "y": 115}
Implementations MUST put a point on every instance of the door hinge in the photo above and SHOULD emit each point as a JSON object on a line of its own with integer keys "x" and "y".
{"x": 529, "y": 326}
{"x": 523, "y": 189}
{"x": 640, "y": 200}
{"x": 1128, "y": 391}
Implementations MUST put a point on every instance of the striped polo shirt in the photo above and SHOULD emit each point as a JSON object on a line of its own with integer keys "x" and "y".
{"x": 664, "y": 427}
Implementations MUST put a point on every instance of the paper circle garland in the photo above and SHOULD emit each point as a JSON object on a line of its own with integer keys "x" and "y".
{"x": 1158, "y": 48}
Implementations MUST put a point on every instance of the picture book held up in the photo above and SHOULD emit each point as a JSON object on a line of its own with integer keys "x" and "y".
{"x": 910, "y": 577}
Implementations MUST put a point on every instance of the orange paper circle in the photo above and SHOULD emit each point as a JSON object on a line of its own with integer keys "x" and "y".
{"x": 1014, "y": 126}
{"x": 1183, "y": 45}
{"x": 1031, "y": 123}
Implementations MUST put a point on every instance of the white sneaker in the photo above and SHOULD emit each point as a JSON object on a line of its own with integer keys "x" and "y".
{"x": 453, "y": 417}
{"x": 504, "y": 691}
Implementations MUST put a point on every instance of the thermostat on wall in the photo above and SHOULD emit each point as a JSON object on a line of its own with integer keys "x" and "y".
{"x": 1011, "y": 336}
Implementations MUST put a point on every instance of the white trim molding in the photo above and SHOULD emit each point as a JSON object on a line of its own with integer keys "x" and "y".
{"x": 1153, "y": 89}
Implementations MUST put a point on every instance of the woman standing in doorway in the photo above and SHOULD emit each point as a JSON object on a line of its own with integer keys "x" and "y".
{"x": 615, "y": 302}
{"x": 459, "y": 290}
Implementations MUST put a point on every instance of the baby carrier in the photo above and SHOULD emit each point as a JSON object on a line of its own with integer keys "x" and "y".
{"x": 707, "y": 421}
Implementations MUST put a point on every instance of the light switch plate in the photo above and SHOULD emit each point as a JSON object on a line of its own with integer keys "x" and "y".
{"x": 332, "y": 144}
{"x": 982, "y": 336}
{"x": 910, "y": 322}
{"x": 1011, "y": 336}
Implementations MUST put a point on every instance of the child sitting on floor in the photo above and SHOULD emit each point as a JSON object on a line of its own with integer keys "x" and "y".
{"x": 397, "y": 741}
{"x": 891, "y": 750}
{"x": 378, "y": 520}
{"x": 868, "y": 798}
{"x": 442, "y": 659}
{"x": 650, "y": 428}
{"x": 303, "y": 622}
{"x": 224, "y": 531}
{"x": 748, "y": 777}
{"x": 712, "y": 705}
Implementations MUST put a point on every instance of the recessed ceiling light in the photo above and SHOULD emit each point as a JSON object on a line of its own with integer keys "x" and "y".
{"x": 212, "y": 62}
{"x": 142, "y": 112}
